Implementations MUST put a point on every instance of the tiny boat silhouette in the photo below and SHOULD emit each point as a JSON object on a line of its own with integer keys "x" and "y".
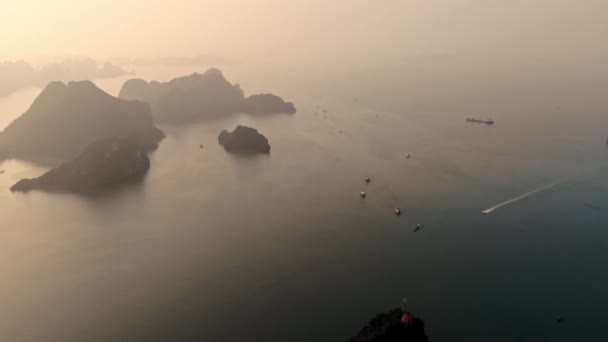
{"x": 407, "y": 155}
{"x": 362, "y": 194}
{"x": 397, "y": 211}
{"x": 418, "y": 227}
{"x": 201, "y": 145}
{"x": 1, "y": 171}
{"x": 367, "y": 179}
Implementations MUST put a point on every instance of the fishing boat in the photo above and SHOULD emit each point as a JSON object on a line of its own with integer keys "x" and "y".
{"x": 367, "y": 179}
{"x": 418, "y": 227}
{"x": 397, "y": 211}
{"x": 362, "y": 194}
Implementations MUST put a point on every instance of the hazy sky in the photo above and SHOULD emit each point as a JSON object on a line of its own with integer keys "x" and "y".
{"x": 322, "y": 30}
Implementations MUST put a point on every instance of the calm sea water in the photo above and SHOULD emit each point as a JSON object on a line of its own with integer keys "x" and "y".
{"x": 215, "y": 247}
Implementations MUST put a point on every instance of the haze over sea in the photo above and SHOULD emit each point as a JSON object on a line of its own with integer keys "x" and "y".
{"x": 217, "y": 247}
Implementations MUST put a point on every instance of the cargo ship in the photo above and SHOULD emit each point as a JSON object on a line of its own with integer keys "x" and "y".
{"x": 487, "y": 122}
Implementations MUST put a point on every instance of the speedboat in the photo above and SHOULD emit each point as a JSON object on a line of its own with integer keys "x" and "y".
{"x": 397, "y": 211}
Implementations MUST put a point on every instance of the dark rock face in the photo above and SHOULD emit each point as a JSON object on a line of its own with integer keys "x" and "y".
{"x": 103, "y": 165}
{"x": 200, "y": 96}
{"x": 244, "y": 140}
{"x": 388, "y": 327}
{"x": 64, "y": 119}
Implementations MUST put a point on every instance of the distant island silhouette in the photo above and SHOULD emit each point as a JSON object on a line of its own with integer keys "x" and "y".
{"x": 103, "y": 165}
{"x": 18, "y": 75}
{"x": 203, "y": 60}
{"x": 64, "y": 119}
{"x": 244, "y": 140}
{"x": 196, "y": 97}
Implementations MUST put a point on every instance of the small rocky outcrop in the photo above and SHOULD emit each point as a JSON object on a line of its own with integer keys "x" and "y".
{"x": 103, "y": 165}
{"x": 64, "y": 119}
{"x": 244, "y": 140}
{"x": 197, "y": 97}
{"x": 268, "y": 104}
{"x": 393, "y": 326}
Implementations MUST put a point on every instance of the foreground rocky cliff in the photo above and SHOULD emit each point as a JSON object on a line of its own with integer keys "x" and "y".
{"x": 244, "y": 140}
{"x": 103, "y": 165}
{"x": 392, "y": 326}
{"x": 200, "y": 96}
{"x": 64, "y": 119}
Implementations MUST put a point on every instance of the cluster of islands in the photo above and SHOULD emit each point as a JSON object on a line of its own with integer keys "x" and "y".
{"x": 97, "y": 142}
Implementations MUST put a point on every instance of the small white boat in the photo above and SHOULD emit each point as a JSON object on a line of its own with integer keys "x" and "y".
{"x": 407, "y": 155}
{"x": 418, "y": 227}
{"x": 367, "y": 179}
{"x": 397, "y": 211}
{"x": 362, "y": 194}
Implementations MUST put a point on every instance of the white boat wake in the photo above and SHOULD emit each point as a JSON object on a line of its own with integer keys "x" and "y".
{"x": 519, "y": 198}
